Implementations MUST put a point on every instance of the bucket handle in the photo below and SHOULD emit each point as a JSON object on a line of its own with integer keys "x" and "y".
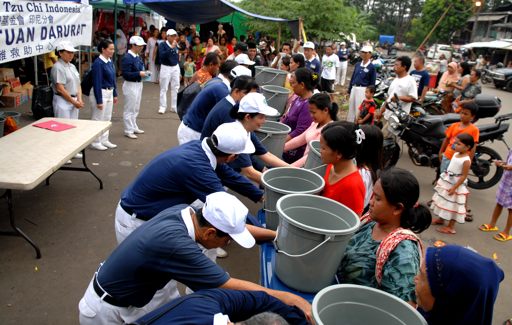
{"x": 272, "y": 97}
{"x": 271, "y": 211}
{"x": 317, "y": 167}
{"x": 276, "y": 75}
{"x": 258, "y": 73}
{"x": 266, "y": 137}
{"x": 276, "y": 247}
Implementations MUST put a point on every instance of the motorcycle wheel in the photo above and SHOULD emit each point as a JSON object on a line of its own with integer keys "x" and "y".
{"x": 484, "y": 173}
{"x": 486, "y": 80}
{"x": 391, "y": 154}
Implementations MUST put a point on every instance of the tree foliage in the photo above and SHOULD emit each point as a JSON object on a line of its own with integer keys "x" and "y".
{"x": 454, "y": 20}
{"x": 323, "y": 20}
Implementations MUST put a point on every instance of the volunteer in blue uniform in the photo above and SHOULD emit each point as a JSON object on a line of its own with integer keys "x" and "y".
{"x": 312, "y": 63}
{"x": 133, "y": 72}
{"x": 103, "y": 94}
{"x": 169, "y": 71}
{"x": 364, "y": 75}
{"x": 139, "y": 275}
{"x": 184, "y": 174}
{"x": 251, "y": 114}
{"x": 216, "y": 89}
{"x": 341, "y": 73}
{"x": 205, "y": 306}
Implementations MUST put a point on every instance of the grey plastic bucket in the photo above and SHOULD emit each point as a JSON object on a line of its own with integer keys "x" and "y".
{"x": 2, "y": 123}
{"x": 15, "y": 115}
{"x": 276, "y": 97}
{"x": 358, "y": 305}
{"x": 311, "y": 239}
{"x": 258, "y": 69}
{"x": 286, "y": 180}
{"x": 270, "y": 76}
{"x": 314, "y": 160}
{"x": 273, "y": 136}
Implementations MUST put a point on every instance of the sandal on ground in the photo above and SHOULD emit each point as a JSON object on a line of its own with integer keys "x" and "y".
{"x": 468, "y": 218}
{"x": 446, "y": 230}
{"x": 502, "y": 237}
{"x": 486, "y": 227}
{"x": 438, "y": 222}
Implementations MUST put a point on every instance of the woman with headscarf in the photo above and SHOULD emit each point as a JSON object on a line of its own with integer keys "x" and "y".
{"x": 446, "y": 84}
{"x": 457, "y": 286}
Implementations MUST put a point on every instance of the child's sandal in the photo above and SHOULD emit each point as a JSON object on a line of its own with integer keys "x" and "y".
{"x": 485, "y": 227}
{"x": 502, "y": 237}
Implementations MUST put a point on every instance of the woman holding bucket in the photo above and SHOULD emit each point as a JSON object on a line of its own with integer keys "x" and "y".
{"x": 385, "y": 252}
{"x": 323, "y": 113}
{"x": 457, "y": 286}
{"x": 298, "y": 117}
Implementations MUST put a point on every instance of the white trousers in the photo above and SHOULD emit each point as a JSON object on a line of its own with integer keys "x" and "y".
{"x": 132, "y": 92}
{"x": 104, "y": 114}
{"x": 186, "y": 134}
{"x": 125, "y": 223}
{"x": 341, "y": 73}
{"x": 64, "y": 109}
{"x": 94, "y": 311}
{"x": 154, "y": 70}
{"x": 356, "y": 98}
{"x": 169, "y": 75}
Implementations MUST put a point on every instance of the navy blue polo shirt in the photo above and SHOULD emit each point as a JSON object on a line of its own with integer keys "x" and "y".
{"x": 220, "y": 115}
{"x": 180, "y": 176}
{"x": 200, "y": 307}
{"x": 422, "y": 80}
{"x": 314, "y": 65}
{"x": 103, "y": 76}
{"x": 157, "y": 252}
{"x": 201, "y": 106}
{"x": 343, "y": 54}
{"x": 131, "y": 66}
{"x": 168, "y": 55}
{"x": 363, "y": 76}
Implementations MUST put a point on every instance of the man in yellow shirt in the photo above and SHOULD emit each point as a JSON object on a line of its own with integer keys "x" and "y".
{"x": 49, "y": 59}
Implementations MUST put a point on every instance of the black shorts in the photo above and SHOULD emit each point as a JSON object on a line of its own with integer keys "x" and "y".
{"x": 327, "y": 85}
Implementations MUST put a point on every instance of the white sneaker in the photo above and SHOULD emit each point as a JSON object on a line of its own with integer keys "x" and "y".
{"x": 78, "y": 156}
{"x": 221, "y": 253}
{"x": 138, "y": 131}
{"x": 161, "y": 110}
{"x": 109, "y": 144}
{"x": 98, "y": 146}
{"x": 130, "y": 135}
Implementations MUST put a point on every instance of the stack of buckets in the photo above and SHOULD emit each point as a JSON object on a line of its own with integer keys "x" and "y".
{"x": 312, "y": 231}
{"x": 272, "y": 83}
{"x": 314, "y": 160}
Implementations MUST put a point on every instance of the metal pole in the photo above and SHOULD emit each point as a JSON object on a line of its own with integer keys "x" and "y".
{"x": 36, "y": 81}
{"x": 114, "y": 57}
{"x": 474, "y": 30}
{"x": 435, "y": 26}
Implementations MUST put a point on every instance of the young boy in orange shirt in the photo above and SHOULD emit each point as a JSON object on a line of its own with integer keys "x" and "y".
{"x": 467, "y": 114}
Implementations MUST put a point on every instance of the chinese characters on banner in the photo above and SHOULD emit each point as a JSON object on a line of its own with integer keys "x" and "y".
{"x": 29, "y": 28}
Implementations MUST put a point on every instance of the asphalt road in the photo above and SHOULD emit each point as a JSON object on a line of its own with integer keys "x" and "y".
{"x": 72, "y": 221}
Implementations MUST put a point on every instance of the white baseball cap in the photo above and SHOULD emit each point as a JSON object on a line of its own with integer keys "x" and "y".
{"x": 226, "y": 213}
{"x": 256, "y": 103}
{"x": 343, "y": 43}
{"x": 233, "y": 138}
{"x": 240, "y": 70}
{"x": 244, "y": 59}
{"x": 309, "y": 45}
{"x": 137, "y": 40}
{"x": 66, "y": 46}
{"x": 171, "y": 32}
{"x": 366, "y": 48}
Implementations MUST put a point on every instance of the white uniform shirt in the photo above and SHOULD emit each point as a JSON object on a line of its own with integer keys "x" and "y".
{"x": 329, "y": 64}
{"x": 405, "y": 86}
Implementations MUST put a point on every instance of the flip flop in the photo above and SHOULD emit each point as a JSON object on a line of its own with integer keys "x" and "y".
{"x": 438, "y": 222}
{"x": 446, "y": 230}
{"x": 502, "y": 237}
{"x": 468, "y": 218}
{"x": 485, "y": 227}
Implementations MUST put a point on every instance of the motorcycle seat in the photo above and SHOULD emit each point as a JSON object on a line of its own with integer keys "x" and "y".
{"x": 492, "y": 131}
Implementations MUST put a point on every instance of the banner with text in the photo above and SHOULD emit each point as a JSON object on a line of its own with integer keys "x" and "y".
{"x": 29, "y": 28}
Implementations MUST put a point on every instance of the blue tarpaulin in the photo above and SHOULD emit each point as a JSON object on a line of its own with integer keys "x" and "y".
{"x": 197, "y": 11}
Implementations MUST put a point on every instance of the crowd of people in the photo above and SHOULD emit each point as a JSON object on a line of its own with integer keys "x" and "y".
{"x": 172, "y": 221}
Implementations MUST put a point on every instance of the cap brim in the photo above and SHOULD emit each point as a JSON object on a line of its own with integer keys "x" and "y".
{"x": 244, "y": 239}
{"x": 249, "y": 146}
{"x": 249, "y": 62}
{"x": 270, "y": 111}
{"x": 71, "y": 50}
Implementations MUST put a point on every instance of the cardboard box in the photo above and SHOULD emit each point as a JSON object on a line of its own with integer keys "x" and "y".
{"x": 30, "y": 89}
{"x": 5, "y": 87}
{"x": 21, "y": 90}
{"x": 11, "y": 100}
{"x": 6, "y": 73}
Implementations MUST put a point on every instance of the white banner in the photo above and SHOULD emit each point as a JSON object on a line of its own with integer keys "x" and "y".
{"x": 29, "y": 28}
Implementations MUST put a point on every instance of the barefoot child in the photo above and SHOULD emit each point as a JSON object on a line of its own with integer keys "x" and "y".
{"x": 367, "y": 107}
{"x": 450, "y": 193}
{"x": 503, "y": 200}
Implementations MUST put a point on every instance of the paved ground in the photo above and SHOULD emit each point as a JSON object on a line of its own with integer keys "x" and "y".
{"x": 72, "y": 221}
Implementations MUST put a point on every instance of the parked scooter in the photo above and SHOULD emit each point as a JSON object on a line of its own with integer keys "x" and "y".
{"x": 424, "y": 137}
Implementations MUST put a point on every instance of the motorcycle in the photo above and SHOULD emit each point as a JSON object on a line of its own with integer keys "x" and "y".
{"x": 424, "y": 137}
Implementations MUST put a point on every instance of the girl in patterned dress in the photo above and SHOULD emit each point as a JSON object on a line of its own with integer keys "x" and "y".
{"x": 503, "y": 200}
{"x": 450, "y": 193}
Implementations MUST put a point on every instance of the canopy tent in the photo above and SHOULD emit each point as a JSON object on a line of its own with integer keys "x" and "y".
{"x": 197, "y": 11}
{"x": 237, "y": 20}
{"x": 501, "y": 44}
{"x": 111, "y": 5}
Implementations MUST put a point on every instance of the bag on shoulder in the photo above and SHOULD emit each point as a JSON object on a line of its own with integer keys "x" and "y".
{"x": 187, "y": 95}
{"x": 87, "y": 83}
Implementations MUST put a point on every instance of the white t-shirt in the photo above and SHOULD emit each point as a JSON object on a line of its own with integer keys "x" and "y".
{"x": 366, "y": 175}
{"x": 329, "y": 64}
{"x": 405, "y": 86}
